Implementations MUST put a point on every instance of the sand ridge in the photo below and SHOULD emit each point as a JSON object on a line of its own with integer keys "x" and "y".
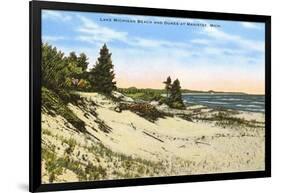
{"x": 184, "y": 146}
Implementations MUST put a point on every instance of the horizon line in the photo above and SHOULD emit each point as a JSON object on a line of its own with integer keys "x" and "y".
{"x": 196, "y": 90}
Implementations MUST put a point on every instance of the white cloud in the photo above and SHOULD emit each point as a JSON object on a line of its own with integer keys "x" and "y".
{"x": 215, "y": 45}
{"x": 151, "y": 18}
{"x": 154, "y": 43}
{"x": 55, "y": 15}
{"x": 200, "y": 41}
{"x": 93, "y": 33}
{"x": 52, "y": 38}
{"x": 246, "y": 44}
{"x": 250, "y": 25}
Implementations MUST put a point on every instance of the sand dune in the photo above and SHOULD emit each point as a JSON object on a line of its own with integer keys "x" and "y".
{"x": 181, "y": 146}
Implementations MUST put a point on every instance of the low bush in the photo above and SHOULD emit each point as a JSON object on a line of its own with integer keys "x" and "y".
{"x": 52, "y": 165}
{"x": 53, "y": 103}
{"x": 177, "y": 105}
{"x": 144, "y": 110}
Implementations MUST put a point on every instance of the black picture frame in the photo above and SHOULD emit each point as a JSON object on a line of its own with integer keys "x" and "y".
{"x": 35, "y": 184}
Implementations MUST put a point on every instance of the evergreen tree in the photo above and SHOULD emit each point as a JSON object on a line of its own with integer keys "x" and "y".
{"x": 54, "y": 67}
{"x": 168, "y": 85}
{"x": 176, "y": 97}
{"x": 72, "y": 58}
{"x": 82, "y": 62}
{"x": 102, "y": 75}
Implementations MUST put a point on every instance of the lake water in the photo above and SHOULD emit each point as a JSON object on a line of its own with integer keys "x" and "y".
{"x": 253, "y": 103}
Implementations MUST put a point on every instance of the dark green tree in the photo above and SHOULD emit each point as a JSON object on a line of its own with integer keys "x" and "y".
{"x": 102, "y": 75}
{"x": 82, "y": 62}
{"x": 58, "y": 70}
{"x": 53, "y": 67}
{"x": 168, "y": 85}
{"x": 74, "y": 71}
{"x": 72, "y": 58}
{"x": 176, "y": 97}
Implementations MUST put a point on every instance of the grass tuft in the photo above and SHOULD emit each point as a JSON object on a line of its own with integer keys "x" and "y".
{"x": 55, "y": 105}
{"x": 144, "y": 110}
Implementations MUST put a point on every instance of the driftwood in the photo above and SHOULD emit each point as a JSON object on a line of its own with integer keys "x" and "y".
{"x": 153, "y": 136}
{"x": 200, "y": 142}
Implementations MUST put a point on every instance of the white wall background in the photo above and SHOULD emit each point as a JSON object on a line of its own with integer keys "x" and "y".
{"x": 14, "y": 95}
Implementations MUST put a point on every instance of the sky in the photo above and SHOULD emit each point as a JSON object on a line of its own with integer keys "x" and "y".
{"x": 203, "y": 54}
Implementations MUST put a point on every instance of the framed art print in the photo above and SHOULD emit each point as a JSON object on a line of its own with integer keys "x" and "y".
{"x": 125, "y": 96}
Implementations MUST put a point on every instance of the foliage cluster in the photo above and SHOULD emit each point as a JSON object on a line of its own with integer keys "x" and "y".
{"x": 145, "y": 110}
{"x": 54, "y": 103}
{"x": 62, "y": 73}
{"x": 145, "y": 94}
{"x": 173, "y": 92}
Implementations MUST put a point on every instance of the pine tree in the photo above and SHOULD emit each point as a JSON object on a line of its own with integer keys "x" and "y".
{"x": 72, "y": 58}
{"x": 168, "y": 85}
{"x": 82, "y": 62}
{"x": 74, "y": 70}
{"x": 102, "y": 75}
{"x": 176, "y": 97}
{"x": 54, "y": 67}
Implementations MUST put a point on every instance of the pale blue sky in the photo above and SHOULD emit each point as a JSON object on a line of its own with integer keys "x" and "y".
{"x": 228, "y": 58}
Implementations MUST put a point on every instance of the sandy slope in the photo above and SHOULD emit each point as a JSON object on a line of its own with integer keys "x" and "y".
{"x": 186, "y": 147}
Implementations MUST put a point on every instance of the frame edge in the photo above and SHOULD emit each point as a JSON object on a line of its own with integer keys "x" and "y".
{"x": 35, "y": 104}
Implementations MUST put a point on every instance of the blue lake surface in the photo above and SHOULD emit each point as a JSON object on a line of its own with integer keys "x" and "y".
{"x": 252, "y": 103}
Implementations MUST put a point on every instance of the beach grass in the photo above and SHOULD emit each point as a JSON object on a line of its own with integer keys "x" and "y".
{"x": 56, "y": 106}
{"x": 141, "y": 140}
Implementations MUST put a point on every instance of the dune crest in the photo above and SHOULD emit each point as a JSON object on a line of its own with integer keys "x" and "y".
{"x": 120, "y": 142}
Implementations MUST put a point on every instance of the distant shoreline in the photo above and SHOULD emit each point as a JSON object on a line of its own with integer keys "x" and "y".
{"x": 192, "y": 92}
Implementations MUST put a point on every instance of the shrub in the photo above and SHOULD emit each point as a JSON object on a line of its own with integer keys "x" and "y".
{"x": 83, "y": 84}
{"x": 71, "y": 146}
{"x": 52, "y": 165}
{"x": 94, "y": 172}
{"x": 52, "y": 101}
{"x": 145, "y": 110}
{"x": 177, "y": 105}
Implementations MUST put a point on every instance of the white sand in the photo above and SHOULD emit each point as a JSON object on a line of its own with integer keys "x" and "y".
{"x": 208, "y": 148}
